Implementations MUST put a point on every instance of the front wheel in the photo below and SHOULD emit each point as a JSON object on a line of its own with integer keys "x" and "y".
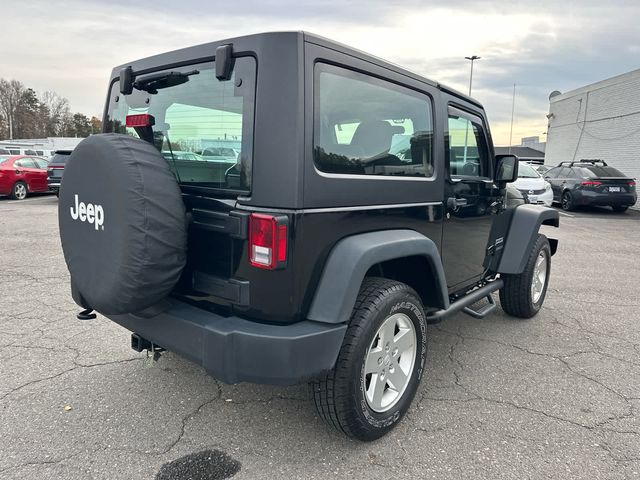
{"x": 380, "y": 363}
{"x": 523, "y": 294}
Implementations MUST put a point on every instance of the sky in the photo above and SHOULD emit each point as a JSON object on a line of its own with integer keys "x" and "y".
{"x": 71, "y": 46}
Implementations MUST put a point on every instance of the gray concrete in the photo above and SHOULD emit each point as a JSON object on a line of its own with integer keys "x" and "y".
{"x": 557, "y": 396}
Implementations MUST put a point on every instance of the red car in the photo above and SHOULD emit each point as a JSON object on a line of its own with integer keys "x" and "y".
{"x": 21, "y": 175}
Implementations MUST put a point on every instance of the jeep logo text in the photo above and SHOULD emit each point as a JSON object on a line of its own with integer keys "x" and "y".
{"x": 88, "y": 213}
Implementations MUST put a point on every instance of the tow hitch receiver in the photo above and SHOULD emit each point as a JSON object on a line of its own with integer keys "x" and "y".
{"x": 139, "y": 344}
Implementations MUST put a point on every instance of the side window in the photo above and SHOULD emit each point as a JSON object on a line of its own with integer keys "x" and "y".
{"x": 468, "y": 152}
{"x": 367, "y": 126}
{"x": 26, "y": 163}
{"x": 553, "y": 173}
{"x": 41, "y": 163}
{"x": 565, "y": 172}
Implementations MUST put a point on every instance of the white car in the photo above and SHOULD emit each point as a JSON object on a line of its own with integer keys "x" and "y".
{"x": 530, "y": 183}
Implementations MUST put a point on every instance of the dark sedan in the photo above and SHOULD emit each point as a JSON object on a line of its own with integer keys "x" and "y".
{"x": 591, "y": 182}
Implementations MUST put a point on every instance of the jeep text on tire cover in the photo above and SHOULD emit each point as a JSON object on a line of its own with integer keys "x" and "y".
{"x": 93, "y": 214}
{"x": 283, "y": 209}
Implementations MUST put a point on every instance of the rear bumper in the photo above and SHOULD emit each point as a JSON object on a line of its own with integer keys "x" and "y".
{"x": 605, "y": 199}
{"x": 54, "y": 184}
{"x": 235, "y": 350}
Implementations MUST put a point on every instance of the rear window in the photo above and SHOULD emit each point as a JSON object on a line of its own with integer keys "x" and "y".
{"x": 601, "y": 172}
{"x": 59, "y": 159}
{"x": 203, "y": 126}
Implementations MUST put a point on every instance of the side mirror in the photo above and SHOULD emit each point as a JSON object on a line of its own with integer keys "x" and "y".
{"x": 506, "y": 169}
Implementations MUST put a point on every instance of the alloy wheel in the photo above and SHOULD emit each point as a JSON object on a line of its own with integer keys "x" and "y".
{"x": 389, "y": 362}
{"x": 20, "y": 191}
{"x": 539, "y": 279}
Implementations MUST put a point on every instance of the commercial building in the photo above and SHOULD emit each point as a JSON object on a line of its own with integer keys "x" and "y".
{"x": 597, "y": 121}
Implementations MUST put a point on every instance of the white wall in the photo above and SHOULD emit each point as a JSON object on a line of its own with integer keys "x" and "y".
{"x": 601, "y": 120}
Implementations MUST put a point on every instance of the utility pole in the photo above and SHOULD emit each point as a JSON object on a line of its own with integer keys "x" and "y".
{"x": 513, "y": 108}
{"x": 472, "y": 58}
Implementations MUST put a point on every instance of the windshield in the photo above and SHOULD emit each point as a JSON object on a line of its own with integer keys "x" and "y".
{"x": 527, "y": 171}
{"x": 203, "y": 127}
{"x": 3, "y": 159}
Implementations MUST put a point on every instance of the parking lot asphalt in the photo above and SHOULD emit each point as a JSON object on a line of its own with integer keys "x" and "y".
{"x": 557, "y": 396}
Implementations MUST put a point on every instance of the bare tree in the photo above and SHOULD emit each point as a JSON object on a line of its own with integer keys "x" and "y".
{"x": 59, "y": 114}
{"x": 11, "y": 92}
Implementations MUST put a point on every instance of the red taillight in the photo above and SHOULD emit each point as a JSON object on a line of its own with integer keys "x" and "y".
{"x": 632, "y": 184}
{"x": 267, "y": 241}
{"x": 56, "y": 167}
{"x": 591, "y": 184}
{"x": 140, "y": 120}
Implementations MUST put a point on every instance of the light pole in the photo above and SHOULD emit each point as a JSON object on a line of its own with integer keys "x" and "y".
{"x": 513, "y": 109}
{"x": 472, "y": 58}
{"x": 466, "y": 131}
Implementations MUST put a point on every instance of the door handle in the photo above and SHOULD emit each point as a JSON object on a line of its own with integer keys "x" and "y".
{"x": 455, "y": 203}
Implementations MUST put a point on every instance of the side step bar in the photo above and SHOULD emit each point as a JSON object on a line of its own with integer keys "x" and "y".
{"x": 469, "y": 299}
{"x": 482, "y": 311}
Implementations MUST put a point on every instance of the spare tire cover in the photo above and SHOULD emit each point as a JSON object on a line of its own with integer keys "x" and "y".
{"x": 122, "y": 224}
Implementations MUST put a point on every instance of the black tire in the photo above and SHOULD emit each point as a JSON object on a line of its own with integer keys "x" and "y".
{"x": 516, "y": 296}
{"x": 340, "y": 396}
{"x": 619, "y": 209}
{"x": 567, "y": 201}
{"x": 19, "y": 191}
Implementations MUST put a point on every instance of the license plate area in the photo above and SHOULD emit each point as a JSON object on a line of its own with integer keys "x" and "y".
{"x": 615, "y": 189}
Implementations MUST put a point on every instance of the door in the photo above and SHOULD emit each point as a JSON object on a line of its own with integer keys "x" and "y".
{"x": 552, "y": 177}
{"x": 27, "y": 172}
{"x": 470, "y": 199}
{"x": 560, "y": 182}
{"x": 41, "y": 177}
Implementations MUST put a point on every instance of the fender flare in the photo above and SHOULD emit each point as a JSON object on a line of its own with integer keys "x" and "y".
{"x": 522, "y": 234}
{"x": 351, "y": 258}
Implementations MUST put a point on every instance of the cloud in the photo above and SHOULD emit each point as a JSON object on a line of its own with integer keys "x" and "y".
{"x": 70, "y": 47}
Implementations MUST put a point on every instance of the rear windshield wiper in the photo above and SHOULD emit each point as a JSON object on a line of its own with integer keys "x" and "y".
{"x": 158, "y": 81}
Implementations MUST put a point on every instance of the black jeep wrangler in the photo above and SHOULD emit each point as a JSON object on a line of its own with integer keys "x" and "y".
{"x": 347, "y": 204}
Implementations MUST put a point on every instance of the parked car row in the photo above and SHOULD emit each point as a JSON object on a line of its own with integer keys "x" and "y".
{"x": 21, "y": 175}
{"x": 588, "y": 183}
{"x": 11, "y": 150}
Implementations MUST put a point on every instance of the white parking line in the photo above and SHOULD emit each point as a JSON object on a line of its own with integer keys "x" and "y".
{"x": 28, "y": 199}
{"x": 566, "y": 214}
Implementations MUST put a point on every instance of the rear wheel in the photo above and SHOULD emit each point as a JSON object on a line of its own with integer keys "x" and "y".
{"x": 619, "y": 209}
{"x": 380, "y": 363}
{"x": 567, "y": 201}
{"x": 19, "y": 191}
{"x": 523, "y": 294}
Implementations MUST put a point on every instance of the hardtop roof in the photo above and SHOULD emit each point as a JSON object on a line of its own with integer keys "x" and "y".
{"x": 206, "y": 50}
